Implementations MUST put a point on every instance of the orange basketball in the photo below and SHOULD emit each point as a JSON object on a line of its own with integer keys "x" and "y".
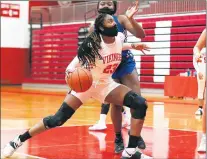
{"x": 80, "y": 80}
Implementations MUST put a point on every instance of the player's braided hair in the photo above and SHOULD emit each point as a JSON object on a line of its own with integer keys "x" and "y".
{"x": 89, "y": 49}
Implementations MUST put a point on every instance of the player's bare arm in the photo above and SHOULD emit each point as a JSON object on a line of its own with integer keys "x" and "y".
{"x": 201, "y": 43}
{"x": 130, "y": 23}
{"x": 136, "y": 46}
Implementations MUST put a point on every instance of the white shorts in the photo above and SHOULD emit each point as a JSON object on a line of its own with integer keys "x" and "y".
{"x": 97, "y": 91}
{"x": 201, "y": 87}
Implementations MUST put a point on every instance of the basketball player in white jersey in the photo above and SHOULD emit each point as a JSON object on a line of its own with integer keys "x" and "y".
{"x": 200, "y": 58}
{"x": 125, "y": 74}
{"x": 200, "y": 67}
{"x": 101, "y": 54}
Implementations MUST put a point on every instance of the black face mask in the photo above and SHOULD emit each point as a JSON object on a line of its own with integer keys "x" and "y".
{"x": 106, "y": 10}
{"x": 111, "y": 32}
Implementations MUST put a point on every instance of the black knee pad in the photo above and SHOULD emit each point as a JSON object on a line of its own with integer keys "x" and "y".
{"x": 135, "y": 101}
{"x": 105, "y": 108}
{"x": 62, "y": 115}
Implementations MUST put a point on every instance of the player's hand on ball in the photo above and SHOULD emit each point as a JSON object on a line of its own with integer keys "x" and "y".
{"x": 79, "y": 79}
{"x": 200, "y": 75}
{"x": 140, "y": 47}
{"x": 66, "y": 77}
{"x": 67, "y": 74}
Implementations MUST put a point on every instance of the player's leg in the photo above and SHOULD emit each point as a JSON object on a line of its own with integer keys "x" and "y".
{"x": 66, "y": 110}
{"x": 201, "y": 87}
{"x": 116, "y": 117}
{"x": 124, "y": 68}
{"x": 132, "y": 81}
{"x": 127, "y": 74}
{"x": 101, "y": 125}
{"x": 119, "y": 117}
{"x": 126, "y": 117}
{"x": 123, "y": 95}
{"x": 202, "y": 146}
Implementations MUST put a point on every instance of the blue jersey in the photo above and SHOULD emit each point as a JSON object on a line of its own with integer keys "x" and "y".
{"x": 128, "y": 63}
{"x": 121, "y": 29}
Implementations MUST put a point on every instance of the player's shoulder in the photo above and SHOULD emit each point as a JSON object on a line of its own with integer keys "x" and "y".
{"x": 121, "y": 36}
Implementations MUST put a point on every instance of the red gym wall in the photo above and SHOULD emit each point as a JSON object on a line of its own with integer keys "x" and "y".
{"x": 15, "y": 33}
{"x": 14, "y": 42}
{"x": 14, "y": 57}
{"x": 171, "y": 39}
{"x": 14, "y": 65}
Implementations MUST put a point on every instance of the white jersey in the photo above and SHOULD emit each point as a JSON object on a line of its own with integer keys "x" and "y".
{"x": 200, "y": 65}
{"x": 111, "y": 54}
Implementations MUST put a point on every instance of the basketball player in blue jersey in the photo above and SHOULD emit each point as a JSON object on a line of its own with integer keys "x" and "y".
{"x": 125, "y": 74}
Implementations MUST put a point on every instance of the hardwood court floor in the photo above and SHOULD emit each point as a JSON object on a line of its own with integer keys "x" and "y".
{"x": 171, "y": 130}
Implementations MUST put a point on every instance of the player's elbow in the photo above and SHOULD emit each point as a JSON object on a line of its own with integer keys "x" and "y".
{"x": 140, "y": 35}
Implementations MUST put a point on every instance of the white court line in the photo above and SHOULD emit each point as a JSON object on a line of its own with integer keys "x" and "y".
{"x": 173, "y": 129}
{"x": 91, "y": 143}
{"x": 26, "y": 155}
{"x": 181, "y": 135}
{"x": 107, "y": 124}
{"x": 60, "y": 126}
{"x": 62, "y": 145}
{"x": 82, "y": 107}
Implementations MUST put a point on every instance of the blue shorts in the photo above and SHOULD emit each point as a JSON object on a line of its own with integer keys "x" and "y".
{"x": 126, "y": 66}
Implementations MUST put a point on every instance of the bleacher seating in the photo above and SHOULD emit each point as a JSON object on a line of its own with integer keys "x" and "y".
{"x": 171, "y": 6}
{"x": 171, "y": 40}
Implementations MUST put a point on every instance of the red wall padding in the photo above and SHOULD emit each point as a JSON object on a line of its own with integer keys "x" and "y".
{"x": 55, "y": 46}
{"x": 14, "y": 65}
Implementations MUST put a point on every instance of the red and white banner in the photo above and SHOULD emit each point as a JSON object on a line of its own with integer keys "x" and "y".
{"x": 10, "y": 10}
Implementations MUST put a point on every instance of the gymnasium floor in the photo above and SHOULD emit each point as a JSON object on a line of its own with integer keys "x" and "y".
{"x": 171, "y": 130}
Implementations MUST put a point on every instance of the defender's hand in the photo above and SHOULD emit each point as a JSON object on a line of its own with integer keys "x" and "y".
{"x": 131, "y": 11}
{"x": 140, "y": 47}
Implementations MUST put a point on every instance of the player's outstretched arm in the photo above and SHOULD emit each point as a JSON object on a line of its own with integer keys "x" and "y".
{"x": 136, "y": 46}
{"x": 130, "y": 23}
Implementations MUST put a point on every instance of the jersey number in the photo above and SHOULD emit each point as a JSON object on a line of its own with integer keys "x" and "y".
{"x": 110, "y": 68}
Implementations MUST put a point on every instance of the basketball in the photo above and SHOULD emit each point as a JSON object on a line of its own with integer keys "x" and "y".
{"x": 80, "y": 80}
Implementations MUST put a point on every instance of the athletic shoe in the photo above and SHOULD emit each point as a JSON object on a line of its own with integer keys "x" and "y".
{"x": 98, "y": 126}
{"x": 11, "y": 147}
